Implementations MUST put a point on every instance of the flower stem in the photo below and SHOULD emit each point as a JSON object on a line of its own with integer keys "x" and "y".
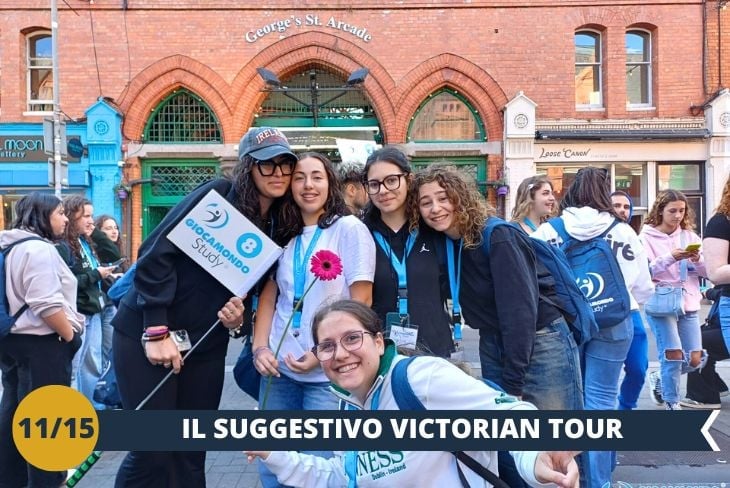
{"x": 297, "y": 306}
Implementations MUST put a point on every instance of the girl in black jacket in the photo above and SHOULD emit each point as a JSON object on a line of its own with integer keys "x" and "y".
{"x": 172, "y": 292}
{"x": 410, "y": 290}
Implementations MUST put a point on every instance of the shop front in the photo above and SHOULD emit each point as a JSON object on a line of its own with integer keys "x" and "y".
{"x": 25, "y": 165}
{"x": 639, "y": 168}
{"x": 641, "y": 156}
{"x": 91, "y": 148}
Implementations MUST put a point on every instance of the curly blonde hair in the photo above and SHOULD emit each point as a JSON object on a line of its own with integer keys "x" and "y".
{"x": 724, "y": 207}
{"x": 526, "y": 197}
{"x": 664, "y": 198}
{"x": 471, "y": 211}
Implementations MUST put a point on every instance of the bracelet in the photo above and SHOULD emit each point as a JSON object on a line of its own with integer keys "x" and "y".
{"x": 259, "y": 349}
{"x": 156, "y": 330}
{"x": 147, "y": 338}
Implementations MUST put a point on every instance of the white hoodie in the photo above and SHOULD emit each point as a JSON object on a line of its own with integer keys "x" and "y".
{"x": 585, "y": 223}
{"x": 440, "y": 385}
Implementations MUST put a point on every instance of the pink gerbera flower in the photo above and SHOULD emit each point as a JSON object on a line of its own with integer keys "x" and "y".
{"x": 326, "y": 265}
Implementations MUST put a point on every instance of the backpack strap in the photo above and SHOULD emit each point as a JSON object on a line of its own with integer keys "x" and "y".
{"x": 6, "y": 251}
{"x": 559, "y": 225}
{"x": 492, "y": 222}
{"x": 613, "y": 224}
{"x": 476, "y": 466}
{"x": 403, "y": 393}
{"x": 406, "y": 399}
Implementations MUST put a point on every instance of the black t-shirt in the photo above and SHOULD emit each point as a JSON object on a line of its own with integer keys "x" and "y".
{"x": 426, "y": 280}
{"x": 719, "y": 228}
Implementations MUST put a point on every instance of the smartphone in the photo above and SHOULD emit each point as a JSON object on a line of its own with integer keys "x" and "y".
{"x": 692, "y": 247}
{"x": 116, "y": 263}
{"x": 181, "y": 339}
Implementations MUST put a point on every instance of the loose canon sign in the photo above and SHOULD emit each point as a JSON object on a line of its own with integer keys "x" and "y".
{"x": 308, "y": 20}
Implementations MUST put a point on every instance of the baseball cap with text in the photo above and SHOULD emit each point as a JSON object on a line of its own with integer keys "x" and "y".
{"x": 264, "y": 143}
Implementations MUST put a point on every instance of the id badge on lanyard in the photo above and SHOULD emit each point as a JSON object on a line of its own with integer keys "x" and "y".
{"x": 400, "y": 330}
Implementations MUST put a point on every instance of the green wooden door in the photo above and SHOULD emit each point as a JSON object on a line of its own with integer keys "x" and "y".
{"x": 173, "y": 179}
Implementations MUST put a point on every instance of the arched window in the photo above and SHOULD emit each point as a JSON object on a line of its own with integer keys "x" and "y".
{"x": 638, "y": 68}
{"x": 182, "y": 117}
{"x": 588, "y": 72}
{"x": 39, "y": 63}
{"x": 446, "y": 116}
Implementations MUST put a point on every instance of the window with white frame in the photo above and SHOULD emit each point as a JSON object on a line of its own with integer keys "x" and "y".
{"x": 40, "y": 72}
{"x": 588, "y": 73}
{"x": 638, "y": 68}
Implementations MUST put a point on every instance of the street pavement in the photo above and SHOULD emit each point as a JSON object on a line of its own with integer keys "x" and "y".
{"x": 637, "y": 469}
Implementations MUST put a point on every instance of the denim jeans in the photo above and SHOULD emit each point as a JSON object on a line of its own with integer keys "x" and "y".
{"x": 553, "y": 378}
{"x": 87, "y": 363}
{"x": 603, "y": 357}
{"x": 682, "y": 334}
{"x": 286, "y": 393}
{"x": 725, "y": 319}
{"x": 635, "y": 365}
{"x": 107, "y": 332}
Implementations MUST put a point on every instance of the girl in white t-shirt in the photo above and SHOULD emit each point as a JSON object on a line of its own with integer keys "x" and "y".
{"x": 313, "y": 218}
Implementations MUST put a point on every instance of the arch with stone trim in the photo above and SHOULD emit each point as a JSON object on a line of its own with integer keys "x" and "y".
{"x": 156, "y": 81}
{"x": 450, "y": 71}
{"x": 300, "y": 51}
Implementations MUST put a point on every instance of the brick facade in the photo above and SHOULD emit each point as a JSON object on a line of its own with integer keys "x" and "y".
{"x": 488, "y": 51}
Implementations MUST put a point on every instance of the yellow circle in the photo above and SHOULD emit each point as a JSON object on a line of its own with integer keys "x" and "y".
{"x": 55, "y": 428}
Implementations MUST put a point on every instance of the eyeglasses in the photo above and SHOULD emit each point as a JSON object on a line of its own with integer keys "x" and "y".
{"x": 390, "y": 182}
{"x": 268, "y": 167}
{"x": 352, "y": 341}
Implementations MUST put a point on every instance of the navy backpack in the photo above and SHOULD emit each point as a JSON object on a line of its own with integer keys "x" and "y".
{"x": 598, "y": 274}
{"x": 571, "y": 301}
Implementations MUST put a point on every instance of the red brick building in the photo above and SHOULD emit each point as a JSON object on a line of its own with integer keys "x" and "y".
{"x": 502, "y": 88}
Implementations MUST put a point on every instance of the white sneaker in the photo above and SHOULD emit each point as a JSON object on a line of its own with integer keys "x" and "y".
{"x": 689, "y": 403}
{"x": 655, "y": 388}
{"x": 673, "y": 406}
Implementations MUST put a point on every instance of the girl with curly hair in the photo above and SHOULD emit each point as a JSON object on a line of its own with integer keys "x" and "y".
{"x": 667, "y": 231}
{"x": 314, "y": 217}
{"x": 534, "y": 204}
{"x": 525, "y": 345}
{"x": 78, "y": 251}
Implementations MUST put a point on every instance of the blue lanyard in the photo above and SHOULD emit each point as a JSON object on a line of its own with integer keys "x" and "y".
{"x": 529, "y": 224}
{"x": 399, "y": 266}
{"x": 89, "y": 256}
{"x": 300, "y": 273}
{"x": 351, "y": 456}
{"x": 454, "y": 285}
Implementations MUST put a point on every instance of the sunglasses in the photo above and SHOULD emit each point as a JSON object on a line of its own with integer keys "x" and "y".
{"x": 267, "y": 167}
